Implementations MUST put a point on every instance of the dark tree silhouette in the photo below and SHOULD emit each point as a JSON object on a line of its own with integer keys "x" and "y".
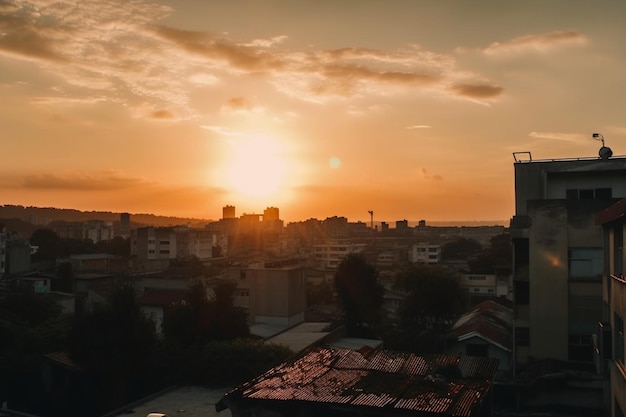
{"x": 113, "y": 343}
{"x": 434, "y": 300}
{"x": 200, "y": 318}
{"x": 360, "y": 295}
{"x": 462, "y": 248}
{"x": 48, "y": 244}
{"x": 498, "y": 256}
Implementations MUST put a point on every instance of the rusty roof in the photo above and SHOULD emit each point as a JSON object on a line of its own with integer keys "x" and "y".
{"x": 398, "y": 381}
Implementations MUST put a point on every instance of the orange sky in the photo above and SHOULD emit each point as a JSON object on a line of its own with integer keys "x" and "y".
{"x": 409, "y": 108}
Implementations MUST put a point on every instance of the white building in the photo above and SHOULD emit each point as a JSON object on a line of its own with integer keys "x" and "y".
{"x": 331, "y": 253}
{"x": 424, "y": 253}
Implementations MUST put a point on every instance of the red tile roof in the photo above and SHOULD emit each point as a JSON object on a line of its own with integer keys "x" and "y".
{"x": 488, "y": 320}
{"x": 447, "y": 384}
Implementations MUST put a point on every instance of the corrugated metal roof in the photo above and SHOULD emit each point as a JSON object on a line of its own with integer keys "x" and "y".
{"x": 450, "y": 384}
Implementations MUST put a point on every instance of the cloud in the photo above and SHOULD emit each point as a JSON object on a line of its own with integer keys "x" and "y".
{"x": 418, "y": 127}
{"x": 123, "y": 53}
{"x": 427, "y": 176}
{"x": 477, "y": 91}
{"x": 537, "y": 42}
{"x": 80, "y": 181}
{"x": 568, "y": 137}
{"x": 239, "y": 103}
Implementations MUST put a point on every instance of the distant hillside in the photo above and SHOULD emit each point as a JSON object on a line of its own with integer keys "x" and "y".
{"x": 41, "y": 216}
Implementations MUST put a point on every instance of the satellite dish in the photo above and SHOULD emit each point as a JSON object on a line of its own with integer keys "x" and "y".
{"x": 605, "y": 152}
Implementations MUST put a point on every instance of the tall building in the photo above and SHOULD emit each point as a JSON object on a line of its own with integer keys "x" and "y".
{"x": 612, "y": 354}
{"x": 558, "y": 254}
{"x": 228, "y": 212}
{"x": 270, "y": 214}
{"x": 125, "y": 225}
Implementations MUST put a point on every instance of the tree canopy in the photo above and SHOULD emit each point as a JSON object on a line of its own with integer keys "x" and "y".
{"x": 434, "y": 300}
{"x": 360, "y": 295}
{"x": 205, "y": 315}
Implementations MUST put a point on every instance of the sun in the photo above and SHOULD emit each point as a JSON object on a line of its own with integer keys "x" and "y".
{"x": 256, "y": 167}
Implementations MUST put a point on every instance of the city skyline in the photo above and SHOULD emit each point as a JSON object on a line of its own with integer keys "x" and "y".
{"x": 411, "y": 109}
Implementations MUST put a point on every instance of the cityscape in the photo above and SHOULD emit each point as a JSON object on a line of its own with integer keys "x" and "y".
{"x": 281, "y": 208}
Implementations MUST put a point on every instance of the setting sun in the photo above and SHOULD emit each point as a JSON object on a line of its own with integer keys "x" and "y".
{"x": 256, "y": 167}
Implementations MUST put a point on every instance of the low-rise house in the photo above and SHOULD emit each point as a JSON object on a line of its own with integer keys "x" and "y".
{"x": 486, "y": 330}
{"x": 345, "y": 382}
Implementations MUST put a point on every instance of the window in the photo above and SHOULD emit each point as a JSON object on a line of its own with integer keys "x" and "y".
{"x": 521, "y": 292}
{"x": 164, "y": 242}
{"x": 522, "y": 336}
{"x": 164, "y": 251}
{"x": 589, "y": 194}
{"x": 242, "y": 274}
{"x": 150, "y": 250}
{"x": 585, "y": 264}
{"x": 580, "y": 348}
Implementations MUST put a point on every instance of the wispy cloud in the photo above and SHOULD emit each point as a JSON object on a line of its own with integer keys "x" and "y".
{"x": 86, "y": 181}
{"x": 567, "y": 137}
{"x": 418, "y": 127}
{"x": 121, "y": 52}
{"x": 541, "y": 42}
{"x": 428, "y": 176}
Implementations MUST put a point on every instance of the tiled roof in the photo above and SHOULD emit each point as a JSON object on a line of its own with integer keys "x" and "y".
{"x": 488, "y": 320}
{"x": 448, "y": 384}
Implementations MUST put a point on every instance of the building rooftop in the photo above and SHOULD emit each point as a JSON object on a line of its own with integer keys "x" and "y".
{"x": 398, "y": 381}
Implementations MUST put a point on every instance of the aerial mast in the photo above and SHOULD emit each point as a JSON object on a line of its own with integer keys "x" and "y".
{"x": 371, "y": 212}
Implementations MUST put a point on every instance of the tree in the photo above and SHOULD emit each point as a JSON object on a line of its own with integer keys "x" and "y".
{"x": 497, "y": 256}
{"x": 434, "y": 300}
{"x": 461, "y": 248}
{"x": 114, "y": 344}
{"x": 200, "y": 318}
{"x": 360, "y": 295}
{"x": 48, "y": 245}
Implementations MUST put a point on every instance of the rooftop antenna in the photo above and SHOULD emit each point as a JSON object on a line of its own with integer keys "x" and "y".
{"x": 605, "y": 152}
{"x": 371, "y": 212}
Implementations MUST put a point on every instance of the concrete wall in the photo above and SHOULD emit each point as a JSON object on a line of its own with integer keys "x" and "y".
{"x": 548, "y": 275}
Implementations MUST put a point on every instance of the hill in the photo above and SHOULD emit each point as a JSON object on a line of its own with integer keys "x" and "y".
{"x": 40, "y": 216}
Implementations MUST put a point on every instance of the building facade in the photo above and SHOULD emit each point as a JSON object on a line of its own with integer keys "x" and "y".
{"x": 558, "y": 254}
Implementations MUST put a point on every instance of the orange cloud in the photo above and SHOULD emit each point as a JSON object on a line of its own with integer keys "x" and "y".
{"x": 537, "y": 42}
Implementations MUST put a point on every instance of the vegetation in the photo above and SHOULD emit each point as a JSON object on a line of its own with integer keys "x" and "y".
{"x": 498, "y": 256}
{"x": 434, "y": 300}
{"x": 360, "y": 295}
{"x": 30, "y": 326}
{"x": 462, "y": 248}
{"x": 201, "y": 318}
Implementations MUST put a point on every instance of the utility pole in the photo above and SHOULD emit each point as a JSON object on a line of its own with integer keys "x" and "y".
{"x": 371, "y": 212}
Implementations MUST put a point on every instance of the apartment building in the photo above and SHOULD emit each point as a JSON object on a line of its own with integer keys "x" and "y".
{"x": 149, "y": 243}
{"x": 273, "y": 293}
{"x": 424, "y": 253}
{"x": 331, "y": 253}
{"x": 558, "y": 253}
{"x": 611, "y": 350}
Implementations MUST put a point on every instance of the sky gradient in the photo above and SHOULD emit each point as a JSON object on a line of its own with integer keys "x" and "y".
{"x": 408, "y": 108}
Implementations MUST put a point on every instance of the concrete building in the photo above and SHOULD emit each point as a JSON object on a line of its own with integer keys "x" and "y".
{"x": 273, "y": 293}
{"x": 558, "y": 253}
{"x": 330, "y": 254}
{"x": 610, "y": 346}
{"x": 151, "y": 243}
{"x": 228, "y": 212}
{"x": 424, "y": 253}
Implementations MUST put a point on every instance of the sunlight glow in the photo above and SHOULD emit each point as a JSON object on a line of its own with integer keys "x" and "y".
{"x": 256, "y": 167}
